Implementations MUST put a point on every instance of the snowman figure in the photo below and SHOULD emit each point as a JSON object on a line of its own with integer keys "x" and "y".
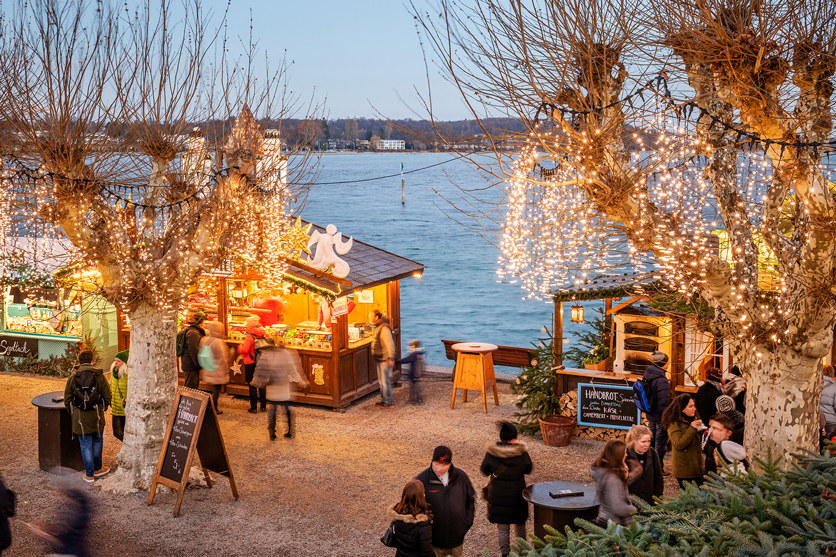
{"x": 326, "y": 244}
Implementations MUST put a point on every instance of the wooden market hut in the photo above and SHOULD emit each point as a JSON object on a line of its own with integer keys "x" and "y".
{"x": 336, "y": 360}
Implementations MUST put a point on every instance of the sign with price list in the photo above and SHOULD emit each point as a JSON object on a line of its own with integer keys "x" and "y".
{"x": 192, "y": 425}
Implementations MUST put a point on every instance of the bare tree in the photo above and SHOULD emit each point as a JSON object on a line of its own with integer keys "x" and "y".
{"x": 655, "y": 129}
{"x": 159, "y": 205}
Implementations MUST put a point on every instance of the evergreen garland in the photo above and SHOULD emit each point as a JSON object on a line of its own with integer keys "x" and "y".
{"x": 768, "y": 514}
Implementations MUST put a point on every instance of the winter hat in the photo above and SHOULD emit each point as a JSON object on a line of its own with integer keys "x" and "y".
{"x": 123, "y": 356}
{"x": 725, "y": 403}
{"x": 507, "y": 431}
{"x": 252, "y": 321}
{"x": 443, "y": 455}
{"x": 735, "y": 371}
{"x": 197, "y": 318}
{"x": 659, "y": 358}
{"x": 713, "y": 374}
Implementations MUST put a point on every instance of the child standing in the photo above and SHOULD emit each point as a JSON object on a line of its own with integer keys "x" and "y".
{"x": 415, "y": 359}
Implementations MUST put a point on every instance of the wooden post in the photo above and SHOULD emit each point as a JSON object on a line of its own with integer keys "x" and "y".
{"x": 558, "y": 335}
{"x": 608, "y": 322}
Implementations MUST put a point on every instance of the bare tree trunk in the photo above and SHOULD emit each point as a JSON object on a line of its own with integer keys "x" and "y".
{"x": 782, "y": 400}
{"x": 151, "y": 386}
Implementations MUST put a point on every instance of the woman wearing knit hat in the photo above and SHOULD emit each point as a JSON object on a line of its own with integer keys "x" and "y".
{"x": 507, "y": 463}
{"x": 247, "y": 350}
{"x": 119, "y": 392}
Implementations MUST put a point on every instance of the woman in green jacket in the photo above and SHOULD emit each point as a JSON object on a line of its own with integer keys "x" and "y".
{"x": 683, "y": 427}
{"x": 119, "y": 392}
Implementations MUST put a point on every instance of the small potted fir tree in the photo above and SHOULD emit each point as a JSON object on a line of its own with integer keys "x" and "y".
{"x": 539, "y": 401}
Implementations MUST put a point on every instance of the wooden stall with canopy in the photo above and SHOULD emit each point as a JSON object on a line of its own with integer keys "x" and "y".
{"x": 325, "y": 317}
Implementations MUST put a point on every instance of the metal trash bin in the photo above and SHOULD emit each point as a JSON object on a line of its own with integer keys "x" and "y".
{"x": 56, "y": 444}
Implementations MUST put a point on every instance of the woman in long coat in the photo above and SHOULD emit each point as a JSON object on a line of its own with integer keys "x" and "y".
{"x": 506, "y": 505}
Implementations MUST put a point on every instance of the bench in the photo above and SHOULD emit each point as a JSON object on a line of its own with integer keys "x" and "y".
{"x": 510, "y": 356}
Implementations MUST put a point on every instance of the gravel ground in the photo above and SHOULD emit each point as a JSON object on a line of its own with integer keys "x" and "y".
{"x": 323, "y": 493}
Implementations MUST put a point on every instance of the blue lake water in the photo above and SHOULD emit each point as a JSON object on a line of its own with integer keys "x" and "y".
{"x": 458, "y": 297}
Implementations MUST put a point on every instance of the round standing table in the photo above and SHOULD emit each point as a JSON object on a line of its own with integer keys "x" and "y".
{"x": 56, "y": 446}
{"x": 560, "y": 512}
{"x": 474, "y": 371}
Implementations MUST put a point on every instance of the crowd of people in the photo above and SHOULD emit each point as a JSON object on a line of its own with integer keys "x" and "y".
{"x": 702, "y": 433}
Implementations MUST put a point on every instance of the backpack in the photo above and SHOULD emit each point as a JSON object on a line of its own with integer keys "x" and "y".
{"x": 644, "y": 395}
{"x": 260, "y": 344}
{"x": 206, "y": 358}
{"x": 87, "y": 395}
{"x": 181, "y": 342}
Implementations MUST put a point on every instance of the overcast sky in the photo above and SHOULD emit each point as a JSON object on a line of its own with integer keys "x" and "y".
{"x": 360, "y": 55}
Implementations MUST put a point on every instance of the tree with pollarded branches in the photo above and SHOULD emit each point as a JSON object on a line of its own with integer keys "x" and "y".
{"x": 107, "y": 167}
{"x": 687, "y": 137}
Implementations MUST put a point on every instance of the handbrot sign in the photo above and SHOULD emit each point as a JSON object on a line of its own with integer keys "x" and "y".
{"x": 607, "y": 406}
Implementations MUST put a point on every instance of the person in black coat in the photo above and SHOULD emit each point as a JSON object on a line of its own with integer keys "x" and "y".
{"x": 656, "y": 375}
{"x": 413, "y": 522}
{"x": 708, "y": 393}
{"x": 188, "y": 361}
{"x": 5, "y": 530}
{"x": 506, "y": 505}
{"x": 452, "y": 500}
{"x": 646, "y": 479}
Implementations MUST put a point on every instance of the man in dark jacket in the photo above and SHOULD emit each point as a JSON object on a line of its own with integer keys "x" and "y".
{"x": 655, "y": 374}
{"x": 188, "y": 361}
{"x": 89, "y": 423}
{"x": 452, "y": 500}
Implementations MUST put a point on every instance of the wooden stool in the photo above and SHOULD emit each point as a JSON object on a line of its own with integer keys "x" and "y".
{"x": 474, "y": 371}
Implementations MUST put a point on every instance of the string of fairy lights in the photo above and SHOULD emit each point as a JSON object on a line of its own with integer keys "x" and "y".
{"x": 557, "y": 234}
{"x": 149, "y": 239}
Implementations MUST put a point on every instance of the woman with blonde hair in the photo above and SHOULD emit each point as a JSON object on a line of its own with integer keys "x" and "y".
{"x": 412, "y": 521}
{"x": 646, "y": 479}
{"x": 609, "y": 471}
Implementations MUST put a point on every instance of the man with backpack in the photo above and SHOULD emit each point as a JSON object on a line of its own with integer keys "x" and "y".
{"x": 188, "y": 345}
{"x": 86, "y": 397}
{"x": 658, "y": 392}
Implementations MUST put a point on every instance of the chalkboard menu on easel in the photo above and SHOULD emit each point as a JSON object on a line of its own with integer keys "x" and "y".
{"x": 192, "y": 425}
{"x": 607, "y": 406}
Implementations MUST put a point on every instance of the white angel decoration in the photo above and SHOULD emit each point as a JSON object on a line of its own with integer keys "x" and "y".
{"x": 326, "y": 244}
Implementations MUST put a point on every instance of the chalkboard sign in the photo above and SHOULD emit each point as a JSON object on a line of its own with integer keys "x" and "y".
{"x": 607, "y": 406}
{"x": 180, "y": 438}
{"x": 192, "y": 425}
